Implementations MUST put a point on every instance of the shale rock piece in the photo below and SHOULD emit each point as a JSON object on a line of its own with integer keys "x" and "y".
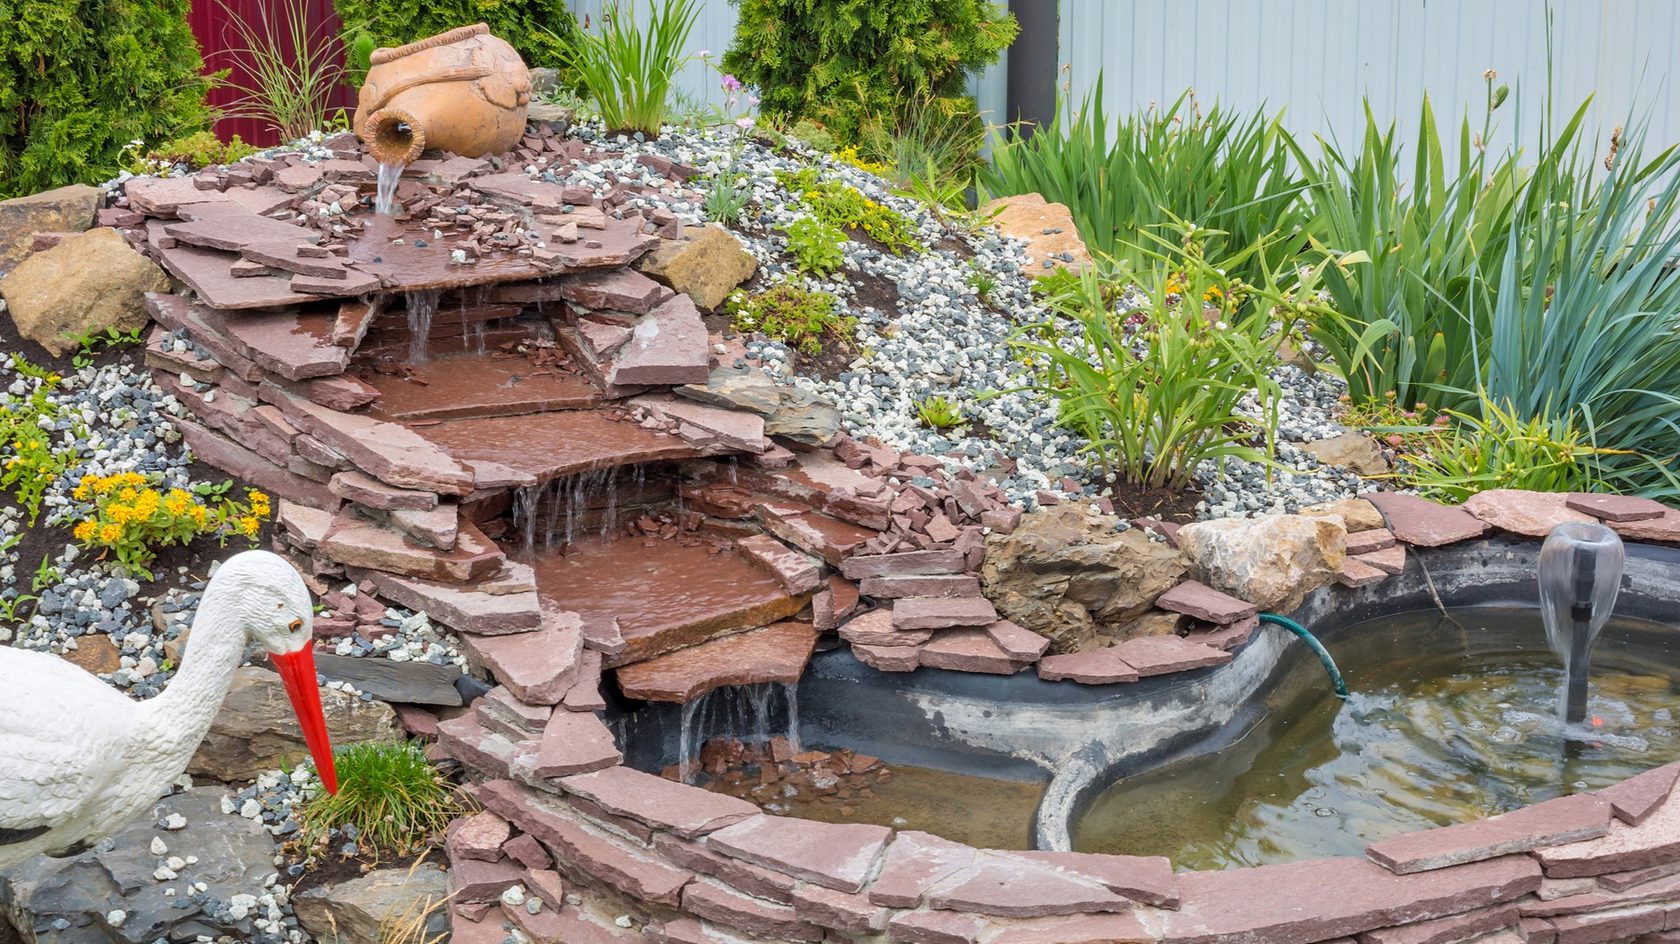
{"x": 351, "y": 912}
{"x": 1272, "y": 562}
{"x": 1072, "y": 577}
{"x": 256, "y": 731}
{"x": 85, "y": 284}
{"x": 706, "y": 264}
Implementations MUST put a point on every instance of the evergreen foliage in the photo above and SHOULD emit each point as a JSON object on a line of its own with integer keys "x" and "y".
{"x": 844, "y": 63}
{"x": 539, "y": 29}
{"x": 80, "y": 79}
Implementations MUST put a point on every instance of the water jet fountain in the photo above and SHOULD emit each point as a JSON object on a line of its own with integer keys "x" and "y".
{"x": 1580, "y": 575}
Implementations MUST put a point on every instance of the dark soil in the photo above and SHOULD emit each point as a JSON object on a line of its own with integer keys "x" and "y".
{"x": 332, "y": 869}
{"x": 1132, "y": 500}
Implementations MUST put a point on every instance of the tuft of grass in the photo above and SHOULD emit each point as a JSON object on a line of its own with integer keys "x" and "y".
{"x": 293, "y": 67}
{"x": 411, "y": 924}
{"x": 389, "y": 792}
{"x": 627, "y": 66}
{"x": 1499, "y": 448}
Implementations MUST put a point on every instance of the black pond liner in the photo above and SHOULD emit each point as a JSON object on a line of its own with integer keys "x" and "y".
{"x": 1085, "y": 737}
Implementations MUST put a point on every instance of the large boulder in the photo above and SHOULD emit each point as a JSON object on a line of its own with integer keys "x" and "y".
{"x": 111, "y": 894}
{"x": 369, "y": 908}
{"x": 1070, "y": 576}
{"x": 705, "y": 264}
{"x": 255, "y": 729}
{"x": 1272, "y": 562}
{"x": 1047, "y": 228}
{"x": 65, "y": 210}
{"x": 84, "y": 285}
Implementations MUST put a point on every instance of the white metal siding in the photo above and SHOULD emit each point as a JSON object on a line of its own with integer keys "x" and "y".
{"x": 1319, "y": 58}
{"x": 713, "y": 31}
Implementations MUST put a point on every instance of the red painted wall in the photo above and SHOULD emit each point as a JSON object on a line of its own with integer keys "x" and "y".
{"x": 219, "y": 37}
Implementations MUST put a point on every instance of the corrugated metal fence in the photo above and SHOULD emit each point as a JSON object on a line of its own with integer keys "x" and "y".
{"x": 219, "y": 39}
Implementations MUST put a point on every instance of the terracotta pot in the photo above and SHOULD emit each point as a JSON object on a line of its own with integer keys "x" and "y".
{"x": 463, "y": 91}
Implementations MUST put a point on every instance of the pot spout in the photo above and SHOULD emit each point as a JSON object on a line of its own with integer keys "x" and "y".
{"x": 394, "y": 137}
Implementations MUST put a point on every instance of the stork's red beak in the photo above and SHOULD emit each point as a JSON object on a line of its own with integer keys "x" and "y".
{"x": 297, "y": 670}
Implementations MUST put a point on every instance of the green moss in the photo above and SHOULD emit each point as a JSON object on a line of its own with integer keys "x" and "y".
{"x": 841, "y": 62}
{"x": 82, "y": 79}
{"x": 539, "y": 29}
{"x": 202, "y": 149}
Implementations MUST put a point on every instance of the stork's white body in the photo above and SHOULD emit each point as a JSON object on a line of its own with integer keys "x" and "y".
{"x": 78, "y": 759}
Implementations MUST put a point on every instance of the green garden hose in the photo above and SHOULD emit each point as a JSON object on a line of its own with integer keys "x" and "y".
{"x": 1317, "y": 647}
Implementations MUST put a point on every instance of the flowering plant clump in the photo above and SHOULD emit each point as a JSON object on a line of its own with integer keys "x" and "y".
{"x": 30, "y": 459}
{"x": 131, "y": 517}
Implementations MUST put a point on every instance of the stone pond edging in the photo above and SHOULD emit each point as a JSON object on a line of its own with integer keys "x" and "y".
{"x": 381, "y": 487}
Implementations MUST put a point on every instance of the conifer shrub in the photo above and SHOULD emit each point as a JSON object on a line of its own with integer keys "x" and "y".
{"x": 844, "y": 63}
{"x": 81, "y": 79}
{"x": 539, "y": 29}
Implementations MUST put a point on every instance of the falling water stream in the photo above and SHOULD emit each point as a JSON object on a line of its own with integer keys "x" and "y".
{"x": 385, "y": 197}
{"x": 421, "y": 307}
{"x": 745, "y": 713}
{"x": 555, "y": 511}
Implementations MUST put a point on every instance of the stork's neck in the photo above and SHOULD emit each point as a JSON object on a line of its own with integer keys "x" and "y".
{"x": 178, "y": 718}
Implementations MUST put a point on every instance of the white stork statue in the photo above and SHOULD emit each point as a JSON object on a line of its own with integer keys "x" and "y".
{"x": 78, "y": 759}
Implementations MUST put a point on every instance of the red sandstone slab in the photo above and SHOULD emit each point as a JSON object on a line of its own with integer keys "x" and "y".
{"x": 1617, "y": 507}
{"x": 232, "y": 232}
{"x": 1159, "y": 655}
{"x": 1654, "y": 841}
{"x": 1366, "y": 542}
{"x": 776, "y": 653}
{"x": 1460, "y": 927}
{"x": 1148, "y": 879}
{"x": 875, "y": 628}
{"x": 919, "y": 585}
{"x": 1122, "y": 928}
{"x": 463, "y": 608}
{"x": 942, "y": 613}
{"x": 1014, "y": 886}
{"x": 840, "y": 856}
{"x": 1389, "y": 560}
{"x": 1532, "y": 514}
{"x": 1565, "y": 819}
{"x": 700, "y": 595}
{"x": 714, "y": 902}
{"x": 1638, "y": 797}
{"x": 1664, "y": 530}
{"x": 939, "y": 561}
{"x": 470, "y": 385}
{"x": 851, "y": 912}
{"x": 937, "y": 927}
{"x": 547, "y": 446}
{"x": 479, "y": 748}
{"x": 206, "y": 272}
{"x": 573, "y": 742}
{"x": 618, "y": 290}
{"x": 1229, "y": 637}
{"x": 667, "y": 347}
{"x": 223, "y": 453}
{"x": 479, "y": 836}
{"x": 1356, "y": 573}
{"x": 707, "y": 426}
{"x": 540, "y": 667}
{"x": 1091, "y": 667}
{"x": 692, "y": 931}
{"x": 1197, "y": 599}
{"x": 389, "y": 452}
{"x": 585, "y": 694}
{"x": 370, "y": 492}
{"x": 1423, "y": 523}
{"x": 915, "y": 862}
{"x": 796, "y": 572}
{"x": 829, "y": 538}
{"x": 626, "y": 868}
{"x": 357, "y": 542}
{"x": 968, "y": 650}
{"x": 744, "y": 876}
{"x": 1321, "y": 899}
{"x": 1022, "y": 645}
{"x": 682, "y": 809}
{"x": 1618, "y": 924}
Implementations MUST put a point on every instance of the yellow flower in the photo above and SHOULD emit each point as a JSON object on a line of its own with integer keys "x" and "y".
{"x": 249, "y": 526}
{"x": 147, "y": 505}
{"x": 80, "y": 492}
{"x": 197, "y": 514}
{"x": 128, "y": 494}
{"x": 256, "y": 496}
{"x": 109, "y": 533}
{"x": 121, "y": 514}
{"x": 177, "y": 502}
{"x": 84, "y": 530}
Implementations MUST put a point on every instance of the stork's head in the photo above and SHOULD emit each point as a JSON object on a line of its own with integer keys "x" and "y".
{"x": 274, "y": 607}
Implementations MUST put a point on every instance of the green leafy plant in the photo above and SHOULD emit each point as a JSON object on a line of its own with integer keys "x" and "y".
{"x": 727, "y": 196}
{"x": 88, "y": 345}
{"x": 200, "y": 149}
{"x": 842, "y": 63}
{"x": 940, "y": 412}
{"x": 792, "y": 314}
{"x": 815, "y": 245}
{"x": 982, "y": 281}
{"x": 128, "y": 516}
{"x": 540, "y": 29}
{"x": 626, "y": 67}
{"x": 1156, "y": 390}
{"x": 291, "y": 68}
{"x": 31, "y": 457}
{"x": 1130, "y": 179}
{"x": 1498, "y": 448}
{"x": 80, "y": 81}
{"x": 389, "y": 792}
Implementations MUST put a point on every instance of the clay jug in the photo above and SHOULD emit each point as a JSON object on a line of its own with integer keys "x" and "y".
{"x": 463, "y": 91}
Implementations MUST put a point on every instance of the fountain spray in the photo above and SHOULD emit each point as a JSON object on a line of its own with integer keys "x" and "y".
{"x": 1580, "y": 574}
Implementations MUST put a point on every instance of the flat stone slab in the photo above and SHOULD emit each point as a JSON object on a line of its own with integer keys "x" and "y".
{"x": 1091, "y": 667}
{"x": 1654, "y": 841}
{"x": 661, "y": 595}
{"x": 1357, "y": 573}
{"x": 889, "y": 658}
{"x": 1367, "y": 542}
{"x": 915, "y": 862}
{"x": 1664, "y": 530}
{"x": 914, "y": 585}
{"x": 1121, "y": 928}
{"x": 234, "y": 231}
{"x": 1389, "y": 560}
{"x": 463, "y": 608}
{"x": 719, "y": 903}
{"x": 826, "y": 537}
{"x": 942, "y": 613}
{"x": 1639, "y": 796}
{"x": 617, "y": 290}
{"x": 573, "y": 742}
{"x": 370, "y": 492}
{"x": 206, "y": 272}
{"x": 547, "y": 446}
{"x": 1423, "y": 523}
{"x": 540, "y": 667}
{"x": 470, "y": 385}
{"x": 840, "y": 856}
{"x": 1565, "y": 819}
{"x": 409, "y": 683}
{"x": 1148, "y": 879}
{"x": 682, "y": 809}
{"x": 875, "y": 628}
{"x": 776, "y": 653}
{"x": 389, "y": 452}
{"x": 1014, "y": 886}
{"x": 1616, "y": 507}
{"x": 1321, "y": 899}
{"x": 1532, "y": 514}
{"x": 668, "y": 346}
{"x": 1160, "y": 655}
{"x": 1197, "y": 599}
{"x": 1023, "y": 645}
{"x": 796, "y": 572}
{"x": 969, "y": 650}
{"x": 356, "y": 542}
{"x": 704, "y": 425}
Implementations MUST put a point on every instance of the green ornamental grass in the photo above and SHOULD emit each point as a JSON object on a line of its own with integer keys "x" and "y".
{"x": 626, "y": 66}
{"x": 389, "y": 792}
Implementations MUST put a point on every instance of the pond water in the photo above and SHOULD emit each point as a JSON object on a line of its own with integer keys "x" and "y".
{"x": 1449, "y": 720}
